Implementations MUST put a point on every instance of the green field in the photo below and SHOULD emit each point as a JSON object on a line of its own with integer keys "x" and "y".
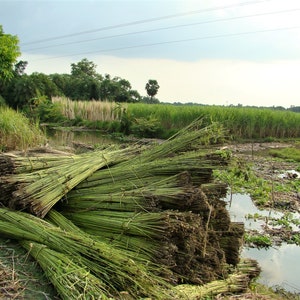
{"x": 163, "y": 120}
{"x": 241, "y": 122}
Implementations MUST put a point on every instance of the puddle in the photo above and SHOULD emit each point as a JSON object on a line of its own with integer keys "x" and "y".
{"x": 279, "y": 265}
{"x": 58, "y": 138}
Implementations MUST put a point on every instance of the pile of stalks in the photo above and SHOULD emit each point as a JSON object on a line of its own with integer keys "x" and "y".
{"x": 128, "y": 222}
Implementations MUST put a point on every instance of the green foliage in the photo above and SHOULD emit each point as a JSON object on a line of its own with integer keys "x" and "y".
{"x": 254, "y": 217}
{"x": 286, "y": 221}
{"x": 2, "y": 101}
{"x": 152, "y": 87}
{"x": 118, "y": 90}
{"x": 16, "y": 131}
{"x": 48, "y": 111}
{"x": 126, "y": 122}
{"x": 240, "y": 122}
{"x": 84, "y": 68}
{"x": 287, "y": 153}
{"x": 148, "y": 128}
{"x": 258, "y": 240}
{"x": 141, "y": 127}
{"x": 9, "y": 51}
{"x": 149, "y": 100}
{"x": 295, "y": 239}
{"x": 241, "y": 179}
{"x": 83, "y": 83}
{"x": 20, "y": 68}
{"x": 21, "y": 90}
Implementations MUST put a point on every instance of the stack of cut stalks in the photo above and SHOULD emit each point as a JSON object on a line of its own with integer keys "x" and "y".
{"x": 124, "y": 223}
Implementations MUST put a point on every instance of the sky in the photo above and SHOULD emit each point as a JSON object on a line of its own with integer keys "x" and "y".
{"x": 217, "y": 52}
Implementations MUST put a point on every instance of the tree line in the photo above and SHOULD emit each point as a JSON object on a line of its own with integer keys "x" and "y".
{"x": 18, "y": 89}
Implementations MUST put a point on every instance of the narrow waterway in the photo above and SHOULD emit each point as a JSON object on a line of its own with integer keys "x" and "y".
{"x": 75, "y": 138}
{"x": 280, "y": 265}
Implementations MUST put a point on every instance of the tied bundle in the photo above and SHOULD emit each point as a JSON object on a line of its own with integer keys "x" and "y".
{"x": 131, "y": 220}
{"x": 38, "y": 191}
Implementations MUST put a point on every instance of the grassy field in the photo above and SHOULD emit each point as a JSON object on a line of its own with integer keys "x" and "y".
{"x": 241, "y": 122}
{"x": 164, "y": 120}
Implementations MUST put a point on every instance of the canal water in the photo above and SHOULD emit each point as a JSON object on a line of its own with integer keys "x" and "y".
{"x": 58, "y": 138}
{"x": 280, "y": 264}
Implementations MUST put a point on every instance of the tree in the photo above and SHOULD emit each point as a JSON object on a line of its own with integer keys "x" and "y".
{"x": 152, "y": 87}
{"x": 23, "y": 89}
{"x": 20, "y": 68}
{"x": 84, "y": 68}
{"x": 84, "y": 81}
{"x": 9, "y": 51}
{"x": 117, "y": 89}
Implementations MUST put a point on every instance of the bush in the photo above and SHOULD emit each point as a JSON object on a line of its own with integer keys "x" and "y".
{"x": 148, "y": 128}
{"x": 16, "y": 131}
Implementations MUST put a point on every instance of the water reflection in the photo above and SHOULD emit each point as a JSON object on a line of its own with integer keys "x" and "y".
{"x": 68, "y": 138}
{"x": 240, "y": 205}
{"x": 279, "y": 265}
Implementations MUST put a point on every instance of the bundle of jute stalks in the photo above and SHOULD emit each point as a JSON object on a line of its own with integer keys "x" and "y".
{"x": 127, "y": 221}
{"x": 43, "y": 187}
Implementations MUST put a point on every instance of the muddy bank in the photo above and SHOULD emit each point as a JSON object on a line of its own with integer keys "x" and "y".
{"x": 273, "y": 170}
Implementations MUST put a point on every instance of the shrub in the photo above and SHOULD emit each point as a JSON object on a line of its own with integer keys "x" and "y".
{"x": 148, "y": 128}
{"x": 16, "y": 131}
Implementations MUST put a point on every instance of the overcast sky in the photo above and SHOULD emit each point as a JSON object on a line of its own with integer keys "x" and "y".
{"x": 210, "y": 51}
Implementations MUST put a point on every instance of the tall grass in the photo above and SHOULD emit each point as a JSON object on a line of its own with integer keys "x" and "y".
{"x": 241, "y": 122}
{"x": 16, "y": 131}
{"x": 89, "y": 110}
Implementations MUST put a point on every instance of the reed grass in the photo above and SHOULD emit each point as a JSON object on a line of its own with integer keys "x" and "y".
{"x": 147, "y": 194}
{"x": 17, "y": 132}
{"x": 89, "y": 110}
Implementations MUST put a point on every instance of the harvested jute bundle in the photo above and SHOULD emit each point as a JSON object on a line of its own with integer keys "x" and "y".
{"x": 179, "y": 241}
{"x": 11, "y": 163}
{"x": 150, "y": 194}
{"x": 118, "y": 271}
{"x": 200, "y": 165}
{"x": 237, "y": 282}
{"x": 70, "y": 279}
{"x": 39, "y": 190}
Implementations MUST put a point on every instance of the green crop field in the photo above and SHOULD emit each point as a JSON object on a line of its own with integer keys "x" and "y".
{"x": 241, "y": 122}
